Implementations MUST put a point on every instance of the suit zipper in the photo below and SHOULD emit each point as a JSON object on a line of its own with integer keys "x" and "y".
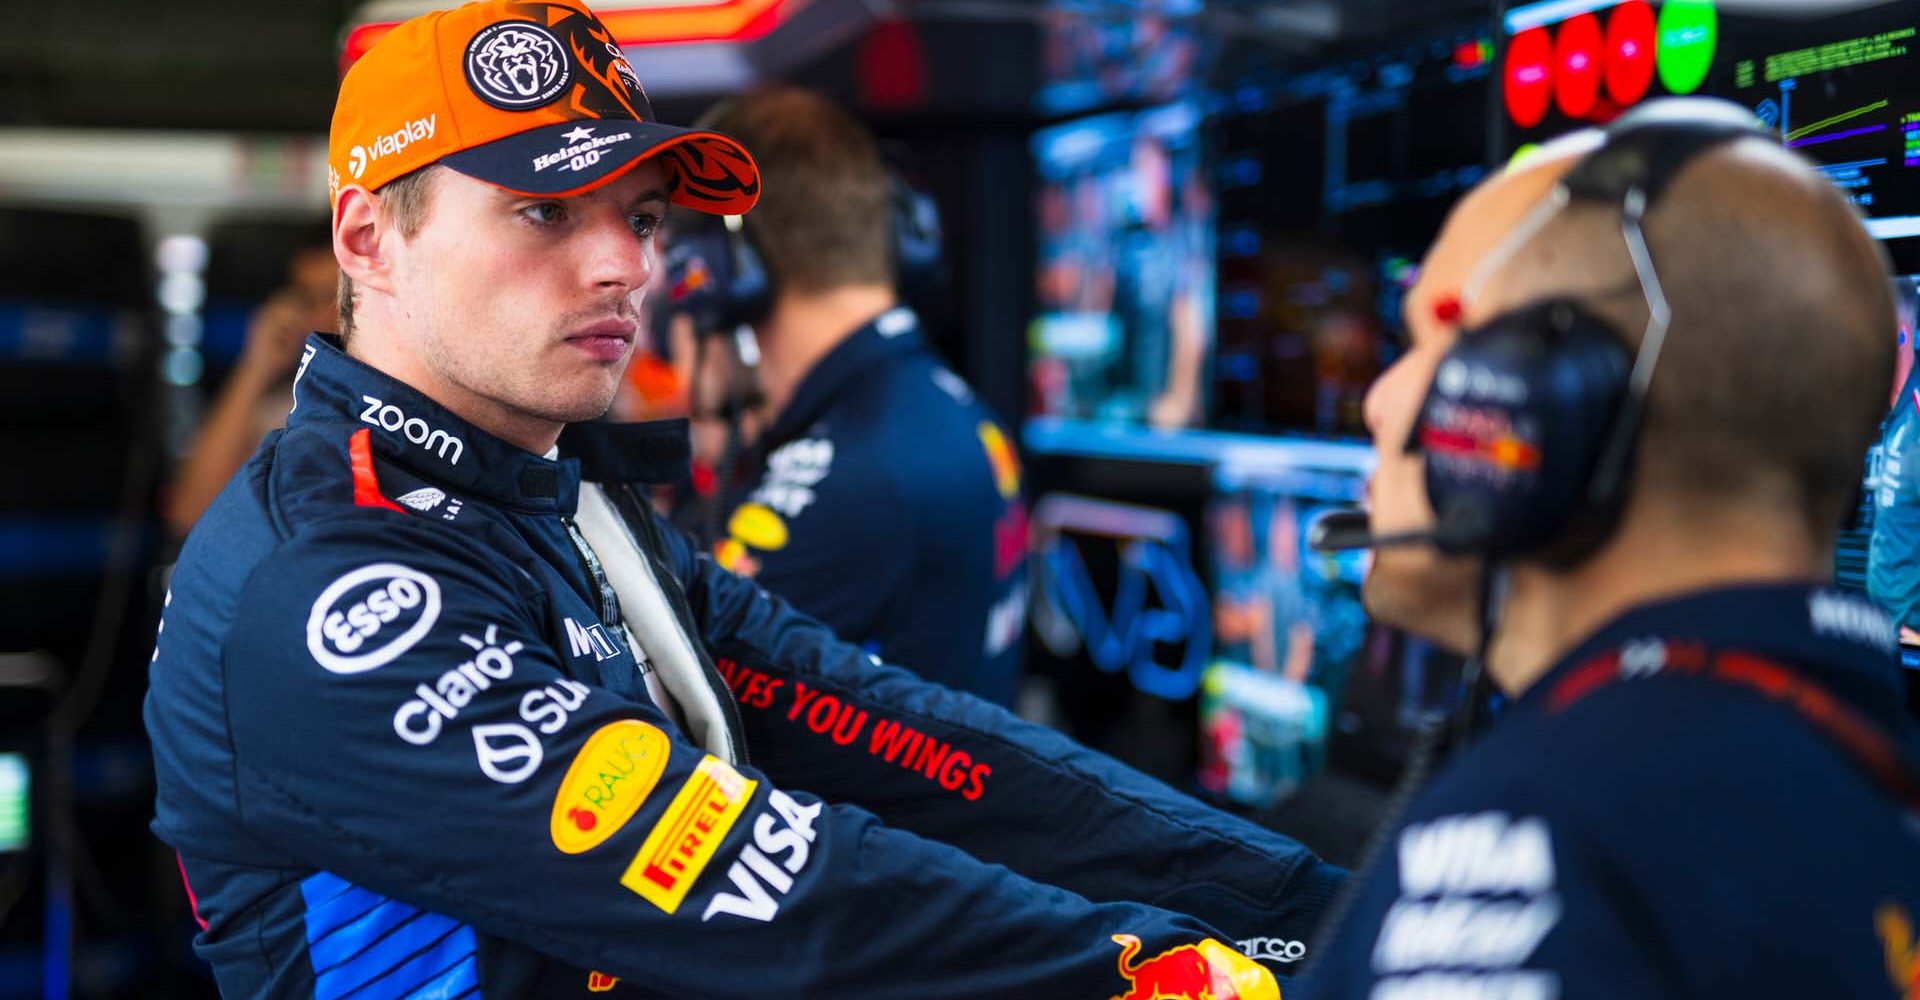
{"x": 632, "y": 509}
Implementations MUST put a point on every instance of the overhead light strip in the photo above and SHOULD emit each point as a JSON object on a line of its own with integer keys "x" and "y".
{"x": 680, "y": 22}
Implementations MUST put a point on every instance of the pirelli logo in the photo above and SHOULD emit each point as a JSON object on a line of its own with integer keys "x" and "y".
{"x": 683, "y": 841}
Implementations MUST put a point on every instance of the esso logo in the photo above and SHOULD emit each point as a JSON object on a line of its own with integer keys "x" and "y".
{"x": 370, "y": 616}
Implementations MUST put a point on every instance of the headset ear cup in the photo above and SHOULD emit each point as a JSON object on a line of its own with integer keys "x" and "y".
{"x": 716, "y": 276}
{"x": 750, "y": 293}
{"x": 1512, "y": 427}
{"x": 916, "y": 236}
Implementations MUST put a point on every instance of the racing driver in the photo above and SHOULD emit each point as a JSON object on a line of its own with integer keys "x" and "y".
{"x": 440, "y": 709}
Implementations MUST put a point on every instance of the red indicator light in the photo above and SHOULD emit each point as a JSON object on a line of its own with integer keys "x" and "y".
{"x": 1630, "y": 51}
{"x": 1529, "y": 77}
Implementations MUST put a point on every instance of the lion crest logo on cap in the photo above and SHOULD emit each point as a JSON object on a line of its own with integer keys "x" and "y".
{"x": 516, "y": 65}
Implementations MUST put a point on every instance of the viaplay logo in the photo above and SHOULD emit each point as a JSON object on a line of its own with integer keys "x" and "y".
{"x": 369, "y": 617}
{"x": 393, "y": 142}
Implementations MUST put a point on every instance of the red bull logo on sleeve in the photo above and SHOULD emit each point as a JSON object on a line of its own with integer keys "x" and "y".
{"x": 1205, "y": 971}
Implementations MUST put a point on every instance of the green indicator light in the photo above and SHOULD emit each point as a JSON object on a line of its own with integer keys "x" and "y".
{"x": 1688, "y": 31}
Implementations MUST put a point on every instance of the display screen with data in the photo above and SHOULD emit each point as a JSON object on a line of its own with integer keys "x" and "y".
{"x": 1125, "y": 283}
{"x": 1332, "y": 184}
{"x": 1878, "y": 553}
{"x": 1301, "y": 678}
{"x": 1837, "y": 80}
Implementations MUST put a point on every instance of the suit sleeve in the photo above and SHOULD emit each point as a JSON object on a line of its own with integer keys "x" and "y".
{"x": 951, "y": 767}
{"x": 398, "y": 721}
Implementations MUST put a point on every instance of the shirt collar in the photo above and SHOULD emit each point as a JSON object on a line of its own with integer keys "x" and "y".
{"x": 888, "y": 335}
{"x": 1833, "y": 637}
{"x": 415, "y": 432}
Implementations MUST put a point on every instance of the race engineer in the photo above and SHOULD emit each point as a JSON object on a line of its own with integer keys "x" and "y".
{"x": 439, "y": 708}
{"x": 1702, "y": 782}
{"x": 876, "y": 454}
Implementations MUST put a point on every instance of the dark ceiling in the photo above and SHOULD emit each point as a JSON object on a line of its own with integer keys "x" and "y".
{"x": 205, "y": 64}
{"x": 268, "y": 65}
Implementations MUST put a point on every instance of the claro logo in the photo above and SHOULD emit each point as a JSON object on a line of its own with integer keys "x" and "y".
{"x": 370, "y": 616}
{"x": 388, "y": 417}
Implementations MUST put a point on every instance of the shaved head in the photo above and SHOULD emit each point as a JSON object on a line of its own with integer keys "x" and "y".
{"x": 1773, "y": 379}
{"x": 1779, "y": 360}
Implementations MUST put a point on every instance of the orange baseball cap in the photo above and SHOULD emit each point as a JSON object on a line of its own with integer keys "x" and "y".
{"x": 533, "y": 96}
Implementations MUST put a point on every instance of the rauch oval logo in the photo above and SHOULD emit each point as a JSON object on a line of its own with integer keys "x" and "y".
{"x": 610, "y": 777}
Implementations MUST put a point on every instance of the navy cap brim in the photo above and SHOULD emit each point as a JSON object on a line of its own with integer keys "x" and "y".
{"x": 711, "y": 172}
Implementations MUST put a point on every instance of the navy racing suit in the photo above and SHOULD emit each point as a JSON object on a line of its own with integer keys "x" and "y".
{"x": 415, "y": 736}
{"x": 1655, "y": 818}
{"x": 883, "y": 459}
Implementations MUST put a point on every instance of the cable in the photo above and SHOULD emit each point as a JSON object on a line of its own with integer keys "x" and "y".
{"x": 1431, "y": 745}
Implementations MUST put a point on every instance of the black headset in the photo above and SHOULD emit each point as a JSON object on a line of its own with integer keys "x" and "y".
{"x": 1530, "y": 424}
{"x": 717, "y": 275}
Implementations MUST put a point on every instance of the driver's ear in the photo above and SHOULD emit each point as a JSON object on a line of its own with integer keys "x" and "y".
{"x": 359, "y": 229}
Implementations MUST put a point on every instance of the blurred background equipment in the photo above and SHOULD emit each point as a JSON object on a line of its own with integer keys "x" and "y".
{"x": 1175, "y": 238}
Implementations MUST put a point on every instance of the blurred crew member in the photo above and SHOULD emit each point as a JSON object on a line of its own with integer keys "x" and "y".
{"x": 440, "y": 708}
{"x": 1702, "y": 784}
{"x": 881, "y": 498}
{"x": 254, "y": 398}
{"x": 1893, "y": 549}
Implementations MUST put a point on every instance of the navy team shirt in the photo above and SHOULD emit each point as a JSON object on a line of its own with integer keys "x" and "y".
{"x": 1634, "y": 827}
{"x": 885, "y": 502}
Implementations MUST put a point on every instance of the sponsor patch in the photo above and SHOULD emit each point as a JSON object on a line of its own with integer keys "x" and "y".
{"x": 516, "y": 65}
{"x": 1903, "y": 953}
{"x": 688, "y": 833}
{"x": 953, "y": 385}
{"x": 609, "y": 779}
{"x": 392, "y": 142}
{"x": 1273, "y": 949}
{"x": 793, "y": 470}
{"x": 756, "y": 525}
{"x": 424, "y": 499}
{"x": 1205, "y": 971}
{"x": 369, "y": 617}
{"x": 1850, "y": 619}
{"x": 584, "y": 150}
{"x": 1006, "y": 466}
{"x": 600, "y": 982}
{"x": 734, "y": 557}
{"x": 594, "y": 638}
{"x": 782, "y": 842}
{"x": 389, "y": 417}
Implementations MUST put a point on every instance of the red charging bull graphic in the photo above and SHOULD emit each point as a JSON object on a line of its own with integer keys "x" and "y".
{"x": 600, "y": 982}
{"x": 1205, "y": 971}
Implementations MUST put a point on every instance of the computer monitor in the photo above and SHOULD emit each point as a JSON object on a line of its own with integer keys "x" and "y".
{"x": 1125, "y": 249}
{"x": 1878, "y": 552}
{"x": 1332, "y": 183}
{"x": 1147, "y": 51}
{"x": 1302, "y": 679}
{"x": 1837, "y": 80}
